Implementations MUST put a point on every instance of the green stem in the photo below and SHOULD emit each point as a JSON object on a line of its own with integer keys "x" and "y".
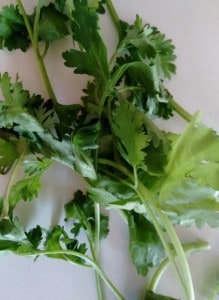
{"x": 114, "y": 16}
{"x": 97, "y": 247}
{"x": 84, "y": 257}
{"x": 34, "y": 40}
{"x": 181, "y": 111}
{"x": 187, "y": 248}
{"x": 180, "y": 253}
{"x": 162, "y": 236}
{"x": 14, "y": 174}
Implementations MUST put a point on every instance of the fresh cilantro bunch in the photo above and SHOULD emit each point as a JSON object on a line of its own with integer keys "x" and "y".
{"x": 155, "y": 179}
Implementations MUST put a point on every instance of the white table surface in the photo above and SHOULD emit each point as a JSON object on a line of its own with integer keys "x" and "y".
{"x": 194, "y": 27}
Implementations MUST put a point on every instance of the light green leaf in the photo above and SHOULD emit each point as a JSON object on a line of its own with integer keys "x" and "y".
{"x": 191, "y": 177}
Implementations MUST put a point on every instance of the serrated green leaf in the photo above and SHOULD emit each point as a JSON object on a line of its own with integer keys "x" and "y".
{"x": 26, "y": 189}
{"x": 152, "y": 45}
{"x": 92, "y": 60}
{"x": 132, "y": 140}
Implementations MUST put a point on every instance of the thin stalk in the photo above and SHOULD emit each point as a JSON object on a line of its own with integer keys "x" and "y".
{"x": 33, "y": 35}
{"x": 114, "y": 16}
{"x": 181, "y": 111}
{"x": 181, "y": 255}
{"x": 84, "y": 257}
{"x": 14, "y": 174}
{"x": 187, "y": 248}
{"x": 164, "y": 242}
{"x": 97, "y": 248}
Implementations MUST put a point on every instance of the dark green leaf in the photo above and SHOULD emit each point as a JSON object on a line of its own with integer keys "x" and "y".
{"x": 92, "y": 60}
{"x": 52, "y": 24}
{"x": 13, "y": 32}
{"x": 35, "y": 236}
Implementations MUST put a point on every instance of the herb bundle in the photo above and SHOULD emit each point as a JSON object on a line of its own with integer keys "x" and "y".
{"x": 153, "y": 178}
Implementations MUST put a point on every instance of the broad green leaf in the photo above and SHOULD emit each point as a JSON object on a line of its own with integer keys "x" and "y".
{"x": 145, "y": 247}
{"x": 191, "y": 178}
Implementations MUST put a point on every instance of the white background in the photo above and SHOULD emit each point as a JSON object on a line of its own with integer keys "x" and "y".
{"x": 193, "y": 25}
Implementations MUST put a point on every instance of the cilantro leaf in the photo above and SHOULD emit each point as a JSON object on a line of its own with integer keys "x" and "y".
{"x": 81, "y": 210}
{"x": 152, "y": 46}
{"x": 132, "y": 140}
{"x": 145, "y": 247}
{"x": 57, "y": 239}
{"x": 92, "y": 60}
{"x": 27, "y": 188}
{"x": 13, "y": 32}
{"x": 52, "y": 25}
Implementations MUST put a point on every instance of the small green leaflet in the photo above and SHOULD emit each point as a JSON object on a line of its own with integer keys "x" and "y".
{"x": 92, "y": 60}
{"x": 132, "y": 140}
{"x": 145, "y": 247}
{"x": 27, "y": 188}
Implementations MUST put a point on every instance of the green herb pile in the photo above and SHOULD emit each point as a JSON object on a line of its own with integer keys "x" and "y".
{"x": 154, "y": 179}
